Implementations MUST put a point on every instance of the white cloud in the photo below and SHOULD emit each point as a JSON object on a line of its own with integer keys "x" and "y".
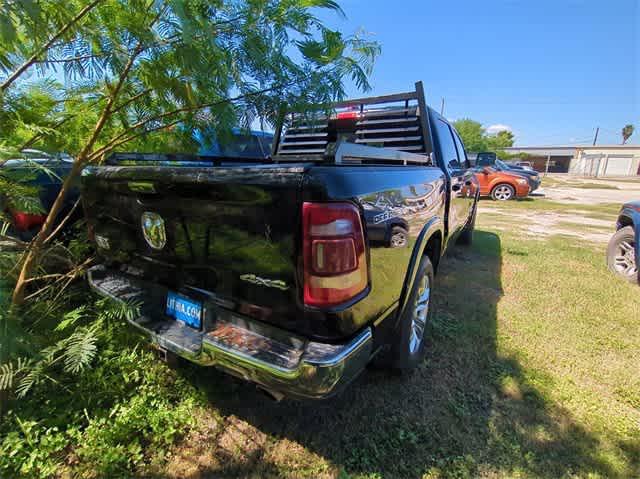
{"x": 495, "y": 129}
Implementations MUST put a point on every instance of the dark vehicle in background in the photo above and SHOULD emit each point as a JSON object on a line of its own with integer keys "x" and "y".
{"x": 490, "y": 159}
{"x": 526, "y": 165}
{"x": 283, "y": 271}
{"x": 252, "y": 144}
{"x": 623, "y": 250}
{"x": 46, "y": 173}
{"x": 517, "y": 167}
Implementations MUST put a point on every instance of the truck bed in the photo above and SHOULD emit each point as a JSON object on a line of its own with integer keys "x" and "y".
{"x": 233, "y": 232}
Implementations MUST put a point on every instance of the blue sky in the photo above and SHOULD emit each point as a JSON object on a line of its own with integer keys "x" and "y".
{"x": 550, "y": 70}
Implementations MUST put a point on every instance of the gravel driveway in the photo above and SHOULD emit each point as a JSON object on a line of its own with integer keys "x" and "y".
{"x": 591, "y": 191}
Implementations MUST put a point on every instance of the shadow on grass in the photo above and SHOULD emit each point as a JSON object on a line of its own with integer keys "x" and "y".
{"x": 465, "y": 412}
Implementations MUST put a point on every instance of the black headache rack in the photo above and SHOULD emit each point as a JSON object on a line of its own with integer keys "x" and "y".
{"x": 385, "y": 129}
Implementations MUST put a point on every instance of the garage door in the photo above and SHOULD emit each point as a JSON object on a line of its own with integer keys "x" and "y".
{"x": 619, "y": 165}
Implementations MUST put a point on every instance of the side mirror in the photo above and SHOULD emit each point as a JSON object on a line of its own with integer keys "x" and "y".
{"x": 486, "y": 170}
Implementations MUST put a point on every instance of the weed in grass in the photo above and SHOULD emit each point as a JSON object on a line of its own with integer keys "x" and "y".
{"x": 108, "y": 421}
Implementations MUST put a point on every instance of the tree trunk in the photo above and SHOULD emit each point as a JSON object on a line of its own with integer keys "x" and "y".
{"x": 36, "y": 245}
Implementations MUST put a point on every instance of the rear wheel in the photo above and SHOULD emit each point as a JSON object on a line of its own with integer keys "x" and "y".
{"x": 408, "y": 342}
{"x": 621, "y": 254}
{"x": 503, "y": 192}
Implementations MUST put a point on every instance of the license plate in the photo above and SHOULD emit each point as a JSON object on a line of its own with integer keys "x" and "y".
{"x": 184, "y": 309}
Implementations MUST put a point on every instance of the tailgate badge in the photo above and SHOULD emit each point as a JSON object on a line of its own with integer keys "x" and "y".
{"x": 269, "y": 283}
{"x": 153, "y": 230}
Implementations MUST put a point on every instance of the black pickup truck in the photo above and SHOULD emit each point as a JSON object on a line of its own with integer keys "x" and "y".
{"x": 294, "y": 271}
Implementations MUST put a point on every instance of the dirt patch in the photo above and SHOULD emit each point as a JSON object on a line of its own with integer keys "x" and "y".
{"x": 590, "y": 191}
{"x": 196, "y": 453}
{"x": 590, "y": 196}
{"x": 544, "y": 224}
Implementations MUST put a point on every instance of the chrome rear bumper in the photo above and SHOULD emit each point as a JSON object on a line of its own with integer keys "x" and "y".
{"x": 274, "y": 359}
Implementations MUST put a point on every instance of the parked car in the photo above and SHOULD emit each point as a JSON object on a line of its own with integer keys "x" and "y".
{"x": 46, "y": 172}
{"x": 501, "y": 185}
{"x": 490, "y": 159}
{"x": 623, "y": 250}
{"x": 527, "y": 165}
{"x": 532, "y": 176}
{"x": 271, "y": 271}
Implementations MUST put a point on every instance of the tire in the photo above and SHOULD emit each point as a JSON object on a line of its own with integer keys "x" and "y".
{"x": 503, "y": 192}
{"x": 408, "y": 341}
{"x": 621, "y": 254}
{"x": 399, "y": 237}
{"x": 466, "y": 236}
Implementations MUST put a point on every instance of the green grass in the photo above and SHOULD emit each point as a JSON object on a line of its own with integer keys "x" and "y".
{"x": 593, "y": 186}
{"x": 531, "y": 372}
{"x": 541, "y": 204}
{"x": 570, "y": 182}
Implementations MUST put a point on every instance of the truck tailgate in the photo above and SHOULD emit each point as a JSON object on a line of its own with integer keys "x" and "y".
{"x": 229, "y": 232}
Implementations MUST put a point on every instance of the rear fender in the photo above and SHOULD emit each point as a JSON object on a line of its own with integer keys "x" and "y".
{"x": 434, "y": 225}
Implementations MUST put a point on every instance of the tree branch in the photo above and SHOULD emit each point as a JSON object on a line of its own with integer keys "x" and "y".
{"x": 202, "y": 106}
{"x": 131, "y": 100}
{"x": 119, "y": 140}
{"x": 122, "y": 138}
{"x": 70, "y": 276}
{"x": 63, "y": 222}
{"x": 14, "y": 76}
{"x": 37, "y": 244}
{"x": 106, "y": 112}
{"x": 73, "y": 59}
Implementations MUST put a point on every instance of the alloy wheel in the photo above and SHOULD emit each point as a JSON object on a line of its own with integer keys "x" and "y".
{"x": 420, "y": 313}
{"x": 503, "y": 193}
{"x": 625, "y": 258}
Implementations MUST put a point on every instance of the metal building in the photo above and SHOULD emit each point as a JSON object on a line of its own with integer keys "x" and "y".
{"x": 595, "y": 161}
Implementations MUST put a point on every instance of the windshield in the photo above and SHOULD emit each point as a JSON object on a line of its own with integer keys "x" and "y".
{"x": 240, "y": 144}
{"x": 486, "y": 159}
{"x": 247, "y": 146}
{"x": 502, "y": 165}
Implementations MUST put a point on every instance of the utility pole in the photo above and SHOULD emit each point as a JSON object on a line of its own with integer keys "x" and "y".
{"x": 546, "y": 170}
{"x": 595, "y": 138}
{"x": 442, "y": 107}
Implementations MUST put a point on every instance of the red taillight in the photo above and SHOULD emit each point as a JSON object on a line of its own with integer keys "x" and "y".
{"x": 335, "y": 262}
{"x": 347, "y": 115}
{"x": 26, "y": 221}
